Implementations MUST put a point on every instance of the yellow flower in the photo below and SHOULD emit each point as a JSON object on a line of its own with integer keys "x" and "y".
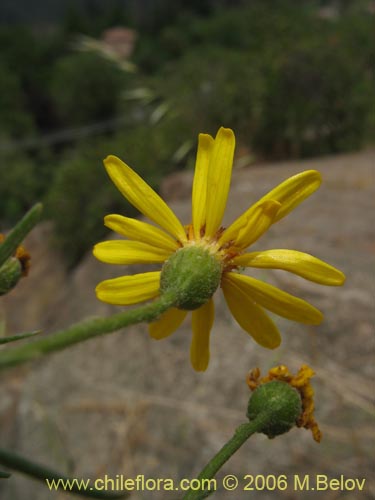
{"x": 246, "y": 297}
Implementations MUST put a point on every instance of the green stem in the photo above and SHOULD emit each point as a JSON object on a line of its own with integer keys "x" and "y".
{"x": 241, "y": 434}
{"x": 85, "y": 330}
{"x": 18, "y": 233}
{"x": 21, "y": 464}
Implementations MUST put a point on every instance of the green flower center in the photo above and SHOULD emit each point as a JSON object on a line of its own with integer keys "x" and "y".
{"x": 193, "y": 275}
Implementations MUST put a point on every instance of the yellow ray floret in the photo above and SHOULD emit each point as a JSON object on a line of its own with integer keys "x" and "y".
{"x": 293, "y": 191}
{"x": 250, "y": 316}
{"x": 218, "y": 179}
{"x": 129, "y": 252}
{"x": 199, "y": 193}
{"x": 202, "y": 321}
{"x": 289, "y": 194}
{"x": 140, "y": 231}
{"x": 167, "y": 323}
{"x": 144, "y": 198}
{"x": 299, "y": 263}
{"x": 276, "y": 300}
{"x": 256, "y": 224}
{"x": 128, "y": 290}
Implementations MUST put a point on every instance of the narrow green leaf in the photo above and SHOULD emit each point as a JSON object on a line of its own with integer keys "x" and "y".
{"x": 19, "y": 336}
{"x": 19, "y": 232}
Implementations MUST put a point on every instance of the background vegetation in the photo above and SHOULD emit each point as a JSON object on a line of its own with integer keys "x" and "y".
{"x": 293, "y": 79}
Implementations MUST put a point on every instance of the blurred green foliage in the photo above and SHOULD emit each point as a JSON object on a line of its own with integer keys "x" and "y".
{"x": 24, "y": 180}
{"x": 214, "y": 87}
{"x": 15, "y": 118}
{"x": 315, "y": 104}
{"x": 293, "y": 83}
{"x": 292, "y": 79}
{"x": 86, "y": 88}
{"x": 18, "y": 187}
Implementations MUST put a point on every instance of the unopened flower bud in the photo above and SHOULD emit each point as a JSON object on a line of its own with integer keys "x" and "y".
{"x": 14, "y": 268}
{"x": 10, "y": 274}
{"x": 193, "y": 274}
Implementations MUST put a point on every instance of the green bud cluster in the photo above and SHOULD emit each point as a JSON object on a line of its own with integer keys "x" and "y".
{"x": 10, "y": 274}
{"x": 280, "y": 402}
{"x": 193, "y": 275}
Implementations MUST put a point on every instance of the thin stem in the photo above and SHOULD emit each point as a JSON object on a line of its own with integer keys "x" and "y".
{"x": 19, "y": 336}
{"x": 83, "y": 331}
{"x": 21, "y": 464}
{"x": 18, "y": 233}
{"x": 241, "y": 434}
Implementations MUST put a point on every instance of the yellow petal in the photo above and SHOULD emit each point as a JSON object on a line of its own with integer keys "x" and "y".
{"x": 199, "y": 194}
{"x": 167, "y": 323}
{"x": 289, "y": 193}
{"x": 128, "y": 290}
{"x": 137, "y": 230}
{"x": 218, "y": 179}
{"x": 293, "y": 191}
{"x": 129, "y": 252}
{"x": 254, "y": 224}
{"x": 250, "y": 316}
{"x": 143, "y": 197}
{"x": 202, "y": 321}
{"x": 299, "y": 263}
{"x": 276, "y": 300}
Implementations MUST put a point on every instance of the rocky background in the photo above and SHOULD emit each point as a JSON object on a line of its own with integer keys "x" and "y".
{"x": 126, "y": 404}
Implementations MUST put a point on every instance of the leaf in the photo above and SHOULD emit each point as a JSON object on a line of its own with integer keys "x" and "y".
{"x": 19, "y": 336}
